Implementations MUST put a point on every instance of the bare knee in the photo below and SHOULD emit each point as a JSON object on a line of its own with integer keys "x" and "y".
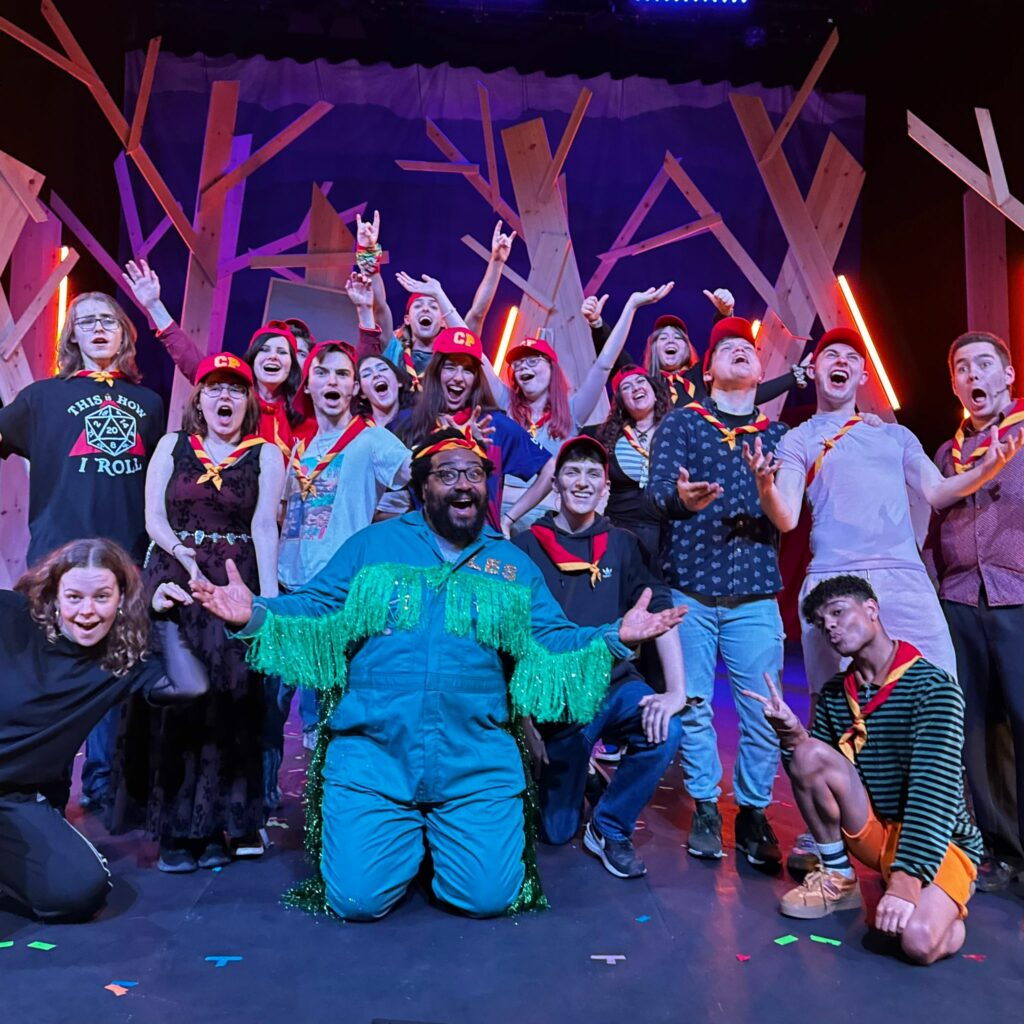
{"x": 924, "y": 943}
{"x": 809, "y": 759}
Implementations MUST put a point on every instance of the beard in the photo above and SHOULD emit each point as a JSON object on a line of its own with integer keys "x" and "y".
{"x": 436, "y": 512}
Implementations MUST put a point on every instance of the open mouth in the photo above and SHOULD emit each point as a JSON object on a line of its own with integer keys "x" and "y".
{"x": 978, "y": 395}
{"x": 463, "y": 506}
{"x": 838, "y": 377}
{"x": 225, "y": 410}
{"x": 526, "y": 376}
{"x": 332, "y": 395}
{"x": 272, "y": 367}
{"x": 455, "y": 393}
{"x": 382, "y": 387}
{"x": 86, "y": 627}
{"x": 425, "y": 320}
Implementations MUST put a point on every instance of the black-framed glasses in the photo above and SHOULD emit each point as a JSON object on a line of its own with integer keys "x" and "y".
{"x": 218, "y": 389}
{"x": 105, "y": 320}
{"x": 450, "y": 475}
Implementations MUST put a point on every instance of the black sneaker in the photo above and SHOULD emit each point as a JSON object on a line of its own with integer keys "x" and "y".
{"x": 994, "y": 875}
{"x": 706, "y": 831}
{"x": 755, "y": 838}
{"x": 176, "y": 858}
{"x": 215, "y": 854}
{"x": 617, "y": 855}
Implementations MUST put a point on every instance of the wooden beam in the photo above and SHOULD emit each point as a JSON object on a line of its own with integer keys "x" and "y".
{"x": 988, "y": 296}
{"x": 44, "y": 51}
{"x": 507, "y": 272}
{"x": 25, "y": 188}
{"x": 171, "y": 206}
{"x": 310, "y": 261}
{"x": 697, "y": 227}
{"x": 270, "y": 149}
{"x": 565, "y": 143}
{"x": 329, "y": 236}
{"x": 789, "y": 119}
{"x": 35, "y": 255}
{"x": 38, "y": 304}
{"x": 438, "y": 167}
{"x": 996, "y": 171}
{"x": 145, "y": 88}
{"x": 154, "y": 236}
{"x": 131, "y": 212}
{"x": 487, "y": 126}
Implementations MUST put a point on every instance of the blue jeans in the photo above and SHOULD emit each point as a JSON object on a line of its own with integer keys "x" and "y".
{"x": 749, "y": 636}
{"x": 564, "y": 778}
{"x": 99, "y": 753}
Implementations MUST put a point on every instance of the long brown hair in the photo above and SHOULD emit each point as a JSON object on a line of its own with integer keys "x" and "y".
{"x": 69, "y": 353}
{"x": 431, "y": 402}
{"x": 560, "y": 425}
{"x": 126, "y": 643}
{"x": 194, "y": 422}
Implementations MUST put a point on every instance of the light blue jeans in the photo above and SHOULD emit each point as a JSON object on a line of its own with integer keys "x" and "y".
{"x": 749, "y": 636}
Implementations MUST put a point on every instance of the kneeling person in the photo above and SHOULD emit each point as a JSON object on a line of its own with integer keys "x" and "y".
{"x": 596, "y": 572}
{"x": 880, "y": 777}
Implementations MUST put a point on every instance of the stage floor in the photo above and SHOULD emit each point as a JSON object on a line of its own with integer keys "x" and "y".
{"x": 677, "y": 934}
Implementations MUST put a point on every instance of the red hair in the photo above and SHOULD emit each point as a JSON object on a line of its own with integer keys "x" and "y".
{"x": 560, "y": 425}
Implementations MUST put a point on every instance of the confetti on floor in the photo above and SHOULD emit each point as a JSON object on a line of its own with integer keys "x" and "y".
{"x": 826, "y": 941}
{"x": 786, "y": 940}
{"x": 118, "y": 990}
{"x": 644, "y": 918}
{"x": 608, "y": 958}
{"x": 277, "y": 823}
{"x": 125, "y": 984}
{"x": 7, "y": 944}
{"x": 222, "y": 961}
{"x": 976, "y": 957}
{"x": 742, "y": 957}
{"x": 45, "y": 946}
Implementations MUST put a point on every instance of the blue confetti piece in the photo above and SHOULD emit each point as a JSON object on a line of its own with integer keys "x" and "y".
{"x": 643, "y": 918}
{"x": 222, "y": 961}
{"x": 125, "y": 984}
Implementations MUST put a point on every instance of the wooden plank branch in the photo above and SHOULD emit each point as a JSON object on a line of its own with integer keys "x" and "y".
{"x": 270, "y": 149}
{"x": 488, "y": 129}
{"x": 438, "y": 167}
{"x": 128, "y": 208}
{"x": 565, "y": 143}
{"x": 308, "y": 260}
{"x": 697, "y": 227}
{"x": 145, "y": 88}
{"x": 38, "y": 304}
{"x": 171, "y": 206}
{"x": 44, "y": 51}
{"x": 507, "y": 272}
{"x": 154, "y": 236}
{"x": 801, "y": 97}
{"x": 22, "y": 187}
{"x": 1000, "y": 188}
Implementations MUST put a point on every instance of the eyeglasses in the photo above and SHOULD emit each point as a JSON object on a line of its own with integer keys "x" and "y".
{"x": 449, "y": 475}
{"x": 527, "y": 362}
{"x": 215, "y": 390}
{"x": 106, "y": 321}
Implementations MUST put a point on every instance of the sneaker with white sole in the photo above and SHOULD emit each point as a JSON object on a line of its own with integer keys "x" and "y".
{"x": 617, "y": 855}
{"x": 705, "y": 839}
{"x": 821, "y": 893}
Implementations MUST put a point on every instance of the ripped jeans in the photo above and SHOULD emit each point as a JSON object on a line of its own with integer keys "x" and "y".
{"x": 748, "y": 633}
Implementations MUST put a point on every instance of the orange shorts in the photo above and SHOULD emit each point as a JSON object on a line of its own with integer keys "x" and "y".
{"x": 875, "y": 846}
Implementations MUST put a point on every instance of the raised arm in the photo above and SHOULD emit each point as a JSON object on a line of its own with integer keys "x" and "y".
{"x": 145, "y": 285}
{"x": 501, "y": 246}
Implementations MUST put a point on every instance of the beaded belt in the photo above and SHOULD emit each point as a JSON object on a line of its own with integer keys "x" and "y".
{"x": 200, "y": 535}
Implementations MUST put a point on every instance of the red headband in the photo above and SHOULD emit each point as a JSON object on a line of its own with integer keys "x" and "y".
{"x": 629, "y": 371}
{"x": 466, "y": 442}
{"x": 276, "y": 332}
{"x": 303, "y": 402}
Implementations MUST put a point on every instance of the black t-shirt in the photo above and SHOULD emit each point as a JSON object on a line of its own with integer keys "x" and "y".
{"x": 89, "y": 445}
{"x": 52, "y": 695}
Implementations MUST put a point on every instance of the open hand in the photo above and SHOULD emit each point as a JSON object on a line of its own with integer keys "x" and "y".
{"x": 722, "y": 300}
{"x": 592, "y": 307}
{"x": 143, "y": 282}
{"x": 762, "y": 464}
{"x": 696, "y": 495}
{"x": 367, "y": 232}
{"x": 425, "y": 285}
{"x": 501, "y": 244}
{"x": 482, "y": 428}
{"x": 640, "y": 624}
{"x": 645, "y": 298}
{"x": 656, "y": 711}
{"x": 232, "y": 602}
{"x": 167, "y": 595}
{"x": 999, "y": 452}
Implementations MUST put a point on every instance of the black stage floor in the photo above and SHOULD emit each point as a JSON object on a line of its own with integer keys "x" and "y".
{"x": 677, "y": 936}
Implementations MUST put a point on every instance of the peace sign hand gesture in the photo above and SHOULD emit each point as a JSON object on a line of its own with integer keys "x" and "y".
{"x": 779, "y": 714}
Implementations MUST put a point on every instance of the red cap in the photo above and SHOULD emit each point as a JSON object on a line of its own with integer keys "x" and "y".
{"x": 224, "y": 362}
{"x": 582, "y": 441}
{"x": 458, "y": 341}
{"x": 413, "y": 298}
{"x": 842, "y": 336}
{"x": 529, "y": 346}
{"x": 628, "y": 371}
{"x": 668, "y": 320}
{"x": 303, "y": 402}
{"x": 730, "y": 327}
{"x": 276, "y": 329}
{"x": 294, "y": 321}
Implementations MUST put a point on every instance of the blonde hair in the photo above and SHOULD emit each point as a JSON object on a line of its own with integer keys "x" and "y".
{"x": 69, "y": 353}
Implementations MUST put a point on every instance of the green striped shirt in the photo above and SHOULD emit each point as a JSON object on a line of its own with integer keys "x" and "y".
{"x": 910, "y": 764}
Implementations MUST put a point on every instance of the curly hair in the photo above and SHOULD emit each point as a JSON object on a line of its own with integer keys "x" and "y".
{"x": 836, "y": 586}
{"x": 126, "y": 643}
{"x": 291, "y": 385}
{"x": 560, "y": 425}
{"x": 609, "y": 432}
{"x": 69, "y": 354}
{"x": 406, "y": 397}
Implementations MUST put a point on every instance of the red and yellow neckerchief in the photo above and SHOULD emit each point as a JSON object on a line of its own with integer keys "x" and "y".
{"x": 307, "y": 485}
{"x": 851, "y": 742}
{"x": 827, "y": 446}
{"x": 567, "y": 562}
{"x": 271, "y": 413}
{"x": 1011, "y": 419}
{"x": 630, "y": 435}
{"x": 466, "y": 442}
{"x": 729, "y": 434}
{"x": 533, "y": 427}
{"x": 101, "y": 376}
{"x": 214, "y": 470}
{"x": 674, "y": 378}
{"x": 416, "y": 381}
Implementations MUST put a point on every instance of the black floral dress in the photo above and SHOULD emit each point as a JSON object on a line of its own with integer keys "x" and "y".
{"x": 206, "y": 763}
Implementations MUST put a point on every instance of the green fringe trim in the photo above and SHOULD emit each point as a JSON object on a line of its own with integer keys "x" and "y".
{"x": 313, "y": 652}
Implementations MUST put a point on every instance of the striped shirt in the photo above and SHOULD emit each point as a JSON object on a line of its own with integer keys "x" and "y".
{"x": 910, "y": 764}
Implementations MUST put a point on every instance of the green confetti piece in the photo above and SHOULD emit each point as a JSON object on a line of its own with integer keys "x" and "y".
{"x": 826, "y": 941}
{"x": 786, "y": 940}
{"x": 7, "y": 944}
{"x": 45, "y": 946}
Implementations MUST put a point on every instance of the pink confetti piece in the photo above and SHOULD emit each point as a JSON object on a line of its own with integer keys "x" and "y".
{"x": 976, "y": 957}
{"x": 743, "y": 958}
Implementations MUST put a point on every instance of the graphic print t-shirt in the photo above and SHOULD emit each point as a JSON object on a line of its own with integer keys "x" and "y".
{"x": 88, "y": 445}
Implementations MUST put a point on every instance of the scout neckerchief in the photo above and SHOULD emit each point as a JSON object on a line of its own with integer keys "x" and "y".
{"x": 675, "y": 377}
{"x": 307, "y": 486}
{"x": 460, "y": 418}
{"x": 566, "y": 561}
{"x": 1011, "y": 419}
{"x": 827, "y": 446}
{"x": 101, "y": 376}
{"x": 630, "y": 435}
{"x": 270, "y": 410}
{"x": 416, "y": 381}
{"x": 856, "y": 736}
{"x": 729, "y": 433}
{"x": 466, "y": 442}
{"x": 213, "y": 470}
{"x": 533, "y": 427}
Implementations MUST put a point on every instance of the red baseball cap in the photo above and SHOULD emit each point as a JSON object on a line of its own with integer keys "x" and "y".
{"x": 842, "y": 336}
{"x": 224, "y": 362}
{"x": 303, "y": 402}
{"x": 627, "y": 371}
{"x": 276, "y": 329}
{"x": 730, "y": 327}
{"x": 581, "y": 441}
{"x": 458, "y": 341}
{"x": 529, "y": 346}
{"x": 668, "y": 320}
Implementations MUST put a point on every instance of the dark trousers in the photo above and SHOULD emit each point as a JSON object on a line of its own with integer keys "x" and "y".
{"x": 989, "y": 644}
{"x": 564, "y": 778}
{"x": 46, "y": 864}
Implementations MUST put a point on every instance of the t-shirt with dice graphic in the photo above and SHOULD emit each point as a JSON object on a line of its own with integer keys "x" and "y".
{"x": 88, "y": 444}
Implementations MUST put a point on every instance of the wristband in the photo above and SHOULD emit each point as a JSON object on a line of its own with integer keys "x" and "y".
{"x": 799, "y": 375}
{"x": 368, "y": 258}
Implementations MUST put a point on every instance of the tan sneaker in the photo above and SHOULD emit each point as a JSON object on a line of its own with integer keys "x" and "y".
{"x": 821, "y": 892}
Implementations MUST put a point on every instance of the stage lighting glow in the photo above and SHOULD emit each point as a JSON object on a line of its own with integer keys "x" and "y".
{"x": 693, "y": 3}
{"x": 506, "y": 336}
{"x": 755, "y": 326}
{"x": 62, "y": 294}
{"x": 876, "y": 359}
